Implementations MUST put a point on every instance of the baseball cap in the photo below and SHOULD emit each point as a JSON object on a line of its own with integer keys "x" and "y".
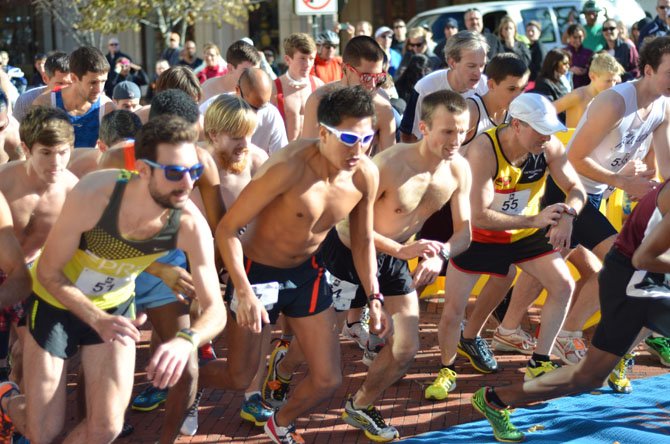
{"x": 451, "y": 23}
{"x": 538, "y": 112}
{"x": 590, "y": 6}
{"x": 126, "y": 90}
{"x": 382, "y": 30}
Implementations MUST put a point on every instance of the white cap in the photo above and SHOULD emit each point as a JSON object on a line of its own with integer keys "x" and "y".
{"x": 382, "y": 30}
{"x": 538, "y": 112}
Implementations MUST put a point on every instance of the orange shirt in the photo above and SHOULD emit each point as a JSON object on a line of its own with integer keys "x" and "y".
{"x": 328, "y": 70}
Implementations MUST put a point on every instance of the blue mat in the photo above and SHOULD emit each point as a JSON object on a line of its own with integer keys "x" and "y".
{"x": 642, "y": 417}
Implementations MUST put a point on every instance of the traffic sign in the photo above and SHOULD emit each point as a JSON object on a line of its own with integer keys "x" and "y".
{"x": 314, "y": 7}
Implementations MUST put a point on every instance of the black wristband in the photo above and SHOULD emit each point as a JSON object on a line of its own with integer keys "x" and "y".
{"x": 376, "y": 296}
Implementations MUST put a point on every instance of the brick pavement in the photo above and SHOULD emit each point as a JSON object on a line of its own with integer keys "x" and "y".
{"x": 402, "y": 403}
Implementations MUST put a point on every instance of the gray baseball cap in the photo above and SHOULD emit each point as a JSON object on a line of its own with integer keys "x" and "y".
{"x": 126, "y": 90}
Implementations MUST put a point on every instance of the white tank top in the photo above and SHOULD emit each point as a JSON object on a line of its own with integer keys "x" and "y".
{"x": 630, "y": 140}
{"x": 484, "y": 122}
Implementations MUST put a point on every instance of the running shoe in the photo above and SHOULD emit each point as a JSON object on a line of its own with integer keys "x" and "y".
{"x": 370, "y": 421}
{"x": 372, "y": 348}
{"x": 660, "y": 347}
{"x": 190, "y": 425}
{"x": 150, "y": 398}
{"x": 571, "y": 349}
{"x": 618, "y": 379}
{"x": 443, "y": 384}
{"x": 126, "y": 430}
{"x": 535, "y": 369}
{"x": 358, "y": 333}
{"x": 7, "y": 429}
{"x": 256, "y": 410}
{"x": 519, "y": 341}
{"x": 282, "y": 435}
{"x": 478, "y": 353}
{"x": 206, "y": 354}
{"x": 275, "y": 388}
{"x": 503, "y": 429}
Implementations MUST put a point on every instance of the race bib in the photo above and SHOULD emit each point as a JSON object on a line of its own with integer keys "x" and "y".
{"x": 511, "y": 203}
{"x": 644, "y": 284}
{"x": 94, "y": 283}
{"x": 267, "y": 293}
{"x": 343, "y": 292}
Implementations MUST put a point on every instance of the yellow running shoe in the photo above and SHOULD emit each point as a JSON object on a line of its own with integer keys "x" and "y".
{"x": 618, "y": 380}
{"x": 535, "y": 369}
{"x": 443, "y": 384}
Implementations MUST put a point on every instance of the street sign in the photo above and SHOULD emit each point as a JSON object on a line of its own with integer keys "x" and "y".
{"x": 314, "y": 7}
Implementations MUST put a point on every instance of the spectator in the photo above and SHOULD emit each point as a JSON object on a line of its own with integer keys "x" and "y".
{"x": 537, "y": 52}
{"x": 419, "y": 65}
{"x": 659, "y": 26}
{"x": 327, "y": 64}
{"x": 475, "y": 22}
{"x": 548, "y": 83}
{"x": 399, "y": 35}
{"x": 623, "y": 32}
{"x": 384, "y": 37}
{"x": 125, "y": 70}
{"x": 637, "y": 27}
{"x": 126, "y": 95}
{"x": 189, "y": 57}
{"x": 363, "y": 27}
{"x": 450, "y": 28}
{"x": 271, "y": 58}
{"x": 240, "y": 55}
{"x": 114, "y": 52}
{"x": 162, "y": 65}
{"x": 416, "y": 43}
{"x": 625, "y": 53}
{"x": 508, "y": 39}
{"x": 38, "y": 76}
{"x": 56, "y": 76}
{"x": 16, "y": 76}
{"x": 580, "y": 56}
{"x": 593, "y": 39}
{"x": 215, "y": 66}
{"x": 171, "y": 53}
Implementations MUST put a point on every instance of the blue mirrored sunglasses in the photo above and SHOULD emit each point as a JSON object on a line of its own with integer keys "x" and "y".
{"x": 350, "y": 139}
{"x": 175, "y": 173}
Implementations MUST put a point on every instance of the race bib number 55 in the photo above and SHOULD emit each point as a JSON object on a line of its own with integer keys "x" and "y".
{"x": 511, "y": 203}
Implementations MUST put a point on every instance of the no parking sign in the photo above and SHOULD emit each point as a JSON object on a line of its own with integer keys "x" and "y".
{"x": 313, "y": 7}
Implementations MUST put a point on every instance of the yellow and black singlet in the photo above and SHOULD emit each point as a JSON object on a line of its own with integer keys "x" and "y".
{"x": 517, "y": 191}
{"x": 105, "y": 264}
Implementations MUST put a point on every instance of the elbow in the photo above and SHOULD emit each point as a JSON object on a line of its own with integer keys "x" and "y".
{"x": 639, "y": 261}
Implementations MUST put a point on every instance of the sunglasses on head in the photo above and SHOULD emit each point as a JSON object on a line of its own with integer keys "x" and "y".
{"x": 367, "y": 78}
{"x": 175, "y": 173}
{"x": 349, "y": 138}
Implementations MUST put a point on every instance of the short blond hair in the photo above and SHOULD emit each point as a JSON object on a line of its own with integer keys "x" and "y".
{"x": 299, "y": 42}
{"x": 211, "y": 45}
{"x": 603, "y": 63}
{"x": 231, "y": 115}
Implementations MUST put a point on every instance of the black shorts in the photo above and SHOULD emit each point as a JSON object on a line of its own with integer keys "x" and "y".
{"x": 302, "y": 290}
{"x": 393, "y": 273}
{"x": 495, "y": 259}
{"x": 591, "y": 227}
{"x": 439, "y": 227}
{"x": 61, "y": 332}
{"x": 623, "y": 316}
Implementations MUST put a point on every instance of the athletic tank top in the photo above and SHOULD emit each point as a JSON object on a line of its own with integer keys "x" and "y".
{"x": 105, "y": 264}
{"x": 517, "y": 191}
{"x": 129, "y": 155}
{"x": 629, "y": 140}
{"x": 87, "y": 126}
{"x": 644, "y": 218}
{"x": 280, "y": 94}
{"x": 484, "y": 122}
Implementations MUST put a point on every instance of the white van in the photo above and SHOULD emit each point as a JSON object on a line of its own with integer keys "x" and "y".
{"x": 552, "y": 14}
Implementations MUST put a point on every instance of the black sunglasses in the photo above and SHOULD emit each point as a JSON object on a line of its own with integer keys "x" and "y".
{"x": 609, "y": 28}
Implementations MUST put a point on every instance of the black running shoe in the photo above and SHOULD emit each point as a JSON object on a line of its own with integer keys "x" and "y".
{"x": 478, "y": 353}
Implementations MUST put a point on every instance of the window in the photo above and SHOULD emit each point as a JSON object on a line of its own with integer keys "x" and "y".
{"x": 543, "y": 16}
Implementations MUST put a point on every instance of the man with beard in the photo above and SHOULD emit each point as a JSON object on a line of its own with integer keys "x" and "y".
{"x": 229, "y": 124}
{"x": 112, "y": 226}
{"x": 84, "y": 101}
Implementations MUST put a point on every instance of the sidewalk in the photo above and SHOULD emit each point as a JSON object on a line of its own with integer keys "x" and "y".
{"x": 403, "y": 404}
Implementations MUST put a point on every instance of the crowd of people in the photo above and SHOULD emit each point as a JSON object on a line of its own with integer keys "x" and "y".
{"x": 319, "y": 182}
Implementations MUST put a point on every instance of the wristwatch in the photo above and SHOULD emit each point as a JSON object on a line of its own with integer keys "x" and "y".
{"x": 191, "y": 336}
{"x": 571, "y": 212}
{"x": 444, "y": 254}
{"x": 377, "y": 296}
